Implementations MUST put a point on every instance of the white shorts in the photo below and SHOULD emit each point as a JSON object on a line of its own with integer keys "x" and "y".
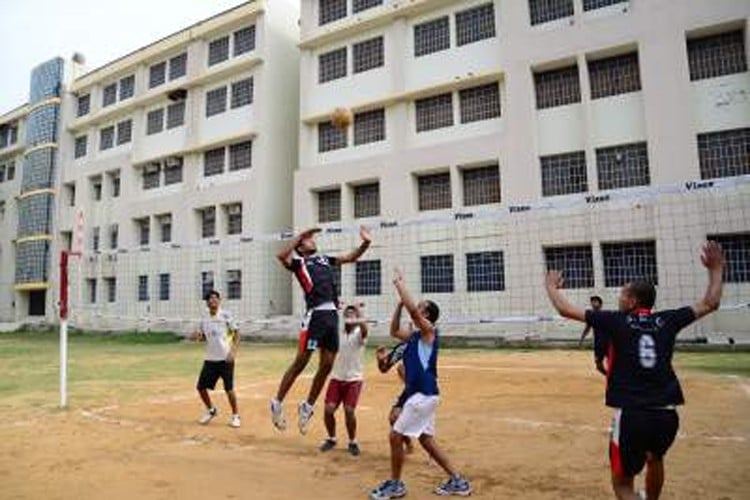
{"x": 417, "y": 416}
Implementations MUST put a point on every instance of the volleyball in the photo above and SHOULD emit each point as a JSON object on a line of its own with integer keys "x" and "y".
{"x": 341, "y": 118}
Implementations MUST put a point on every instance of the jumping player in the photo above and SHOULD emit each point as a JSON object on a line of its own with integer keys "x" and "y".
{"x": 642, "y": 386}
{"x": 321, "y": 321}
{"x": 417, "y": 419}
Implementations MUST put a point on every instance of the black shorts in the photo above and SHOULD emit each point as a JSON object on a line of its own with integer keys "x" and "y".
{"x": 636, "y": 432}
{"x": 320, "y": 329}
{"x": 212, "y": 371}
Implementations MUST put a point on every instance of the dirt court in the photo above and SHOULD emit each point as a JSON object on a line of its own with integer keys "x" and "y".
{"x": 526, "y": 425}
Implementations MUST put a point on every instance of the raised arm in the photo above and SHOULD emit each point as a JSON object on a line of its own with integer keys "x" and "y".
{"x": 396, "y": 330}
{"x": 553, "y": 283}
{"x": 355, "y": 254}
{"x": 285, "y": 255}
{"x": 712, "y": 259}
{"x": 420, "y": 321}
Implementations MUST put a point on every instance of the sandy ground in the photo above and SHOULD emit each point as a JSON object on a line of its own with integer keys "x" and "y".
{"x": 519, "y": 425}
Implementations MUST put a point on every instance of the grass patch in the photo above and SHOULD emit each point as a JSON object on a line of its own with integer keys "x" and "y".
{"x": 722, "y": 363}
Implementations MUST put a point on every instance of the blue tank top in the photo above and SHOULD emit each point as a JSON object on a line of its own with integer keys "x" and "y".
{"x": 420, "y": 378}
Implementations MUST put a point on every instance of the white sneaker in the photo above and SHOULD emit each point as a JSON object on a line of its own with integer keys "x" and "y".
{"x": 208, "y": 416}
{"x": 277, "y": 414}
{"x": 305, "y": 415}
{"x": 235, "y": 422}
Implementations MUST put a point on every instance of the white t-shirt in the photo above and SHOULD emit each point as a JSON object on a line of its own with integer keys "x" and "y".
{"x": 218, "y": 331}
{"x": 348, "y": 364}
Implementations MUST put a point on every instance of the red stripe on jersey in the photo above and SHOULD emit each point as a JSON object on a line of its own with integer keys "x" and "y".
{"x": 614, "y": 459}
{"x": 304, "y": 278}
{"x": 643, "y": 311}
{"x": 304, "y": 335}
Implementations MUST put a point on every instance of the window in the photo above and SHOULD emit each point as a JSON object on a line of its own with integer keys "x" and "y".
{"x": 127, "y": 87}
{"x": 436, "y": 273}
{"x": 369, "y": 126}
{"x": 155, "y": 121}
{"x": 114, "y": 236}
{"x": 480, "y": 103}
{"x": 176, "y": 114}
{"x": 717, "y": 55}
{"x": 434, "y": 112}
{"x": 240, "y": 156}
{"x": 157, "y": 74}
{"x": 109, "y": 95}
{"x": 367, "y": 55}
{"x": 111, "y": 284}
{"x": 564, "y": 174}
{"x": 124, "y": 132}
{"x": 151, "y": 175}
{"x": 96, "y": 188}
{"x": 244, "y": 40}
{"x": 81, "y": 146}
{"x": 2, "y": 173}
{"x": 164, "y": 286}
{"x": 234, "y": 218}
{"x": 598, "y": 4}
{"x": 736, "y": 249}
{"x": 475, "y": 24}
{"x": 173, "y": 170}
{"x": 629, "y": 261}
{"x": 95, "y": 234}
{"x": 543, "y": 11}
{"x": 11, "y": 171}
{"x": 725, "y": 153}
{"x": 331, "y": 10}
{"x": 575, "y": 262}
{"x": 367, "y": 277}
{"x": 329, "y": 205}
{"x": 434, "y": 191}
{"x": 114, "y": 178}
{"x": 367, "y": 200}
{"x": 242, "y": 93}
{"x": 360, "y": 5}
{"x": 142, "y": 288}
{"x": 144, "y": 230}
{"x": 91, "y": 286}
{"x": 216, "y": 101}
{"x": 213, "y": 162}
{"x": 165, "y": 227}
{"x": 207, "y": 283}
{"x": 178, "y": 66}
{"x": 84, "y": 105}
{"x": 485, "y": 272}
{"x": 218, "y": 50}
{"x": 70, "y": 192}
{"x": 234, "y": 284}
{"x": 106, "y": 138}
{"x": 432, "y": 36}
{"x": 614, "y": 75}
{"x": 622, "y": 166}
{"x": 481, "y": 185}
{"x": 208, "y": 222}
{"x": 332, "y": 65}
{"x": 330, "y": 137}
{"x": 557, "y": 87}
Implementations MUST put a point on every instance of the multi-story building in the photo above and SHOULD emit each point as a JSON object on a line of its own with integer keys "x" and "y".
{"x": 493, "y": 139}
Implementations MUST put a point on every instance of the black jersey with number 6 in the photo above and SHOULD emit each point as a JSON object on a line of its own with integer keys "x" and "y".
{"x": 641, "y": 345}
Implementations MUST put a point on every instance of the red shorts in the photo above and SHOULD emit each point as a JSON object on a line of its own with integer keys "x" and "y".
{"x": 340, "y": 391}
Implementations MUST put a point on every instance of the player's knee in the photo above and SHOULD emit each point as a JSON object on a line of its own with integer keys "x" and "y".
{"x": 395, "y": 437}
{"x": 330, "y": 409}
{"x": 349, "y": 411}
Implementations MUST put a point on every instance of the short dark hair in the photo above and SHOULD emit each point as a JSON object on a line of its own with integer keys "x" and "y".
{"x": 350, "y": 308}
{"x": 212, "y": 293}
{"x": 596, "y": 298}
{"x": 643, "y": 292}
{"x": 433, "y": 311}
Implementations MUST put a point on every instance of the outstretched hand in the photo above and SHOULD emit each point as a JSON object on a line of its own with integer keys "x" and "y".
{"x": 398, "y": 276}
{"x": 554, "y": 280}
{"x": 712, "y": 256}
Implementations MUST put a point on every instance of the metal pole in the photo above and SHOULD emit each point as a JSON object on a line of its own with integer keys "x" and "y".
{"x": 63, "y": 329}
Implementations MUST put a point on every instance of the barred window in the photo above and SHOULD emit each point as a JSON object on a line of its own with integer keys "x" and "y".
{"x": 432, "y": 36}
{"x": 736, "y": 249}
{"x": 11, "y": 171}
{"x": 725, "y": 153}
{"x": 114, "y": 178}
{"x": 216, "y": 101}
{"x": 165, "y": 227}
{"x": 434, "y": 112}
{"x": 481, "y": 185}
{"x": 244, "y": 40}
{"x": 368, "y": 54}
{"x": 557, "y": 87}
{"x": 564, "y": 174}
{"x": 157, "y": 74}
{"x": 144, "y": 230}
{"x": 173, "y": 170}
{"x": 367, "y": 277}
{"x": 111, "y": 289}
{"x": 369, "y": 126}
{"x": 436, "y": 272}
{"x": 480, "y": 103}
{"x": 332, "y": 65}
{"x": 331, "y": 10}
{"x": 625, "y": 262}
{"x": 234, "y": 284}
{"x": 218, "y": 50}
{"x": 208, "y": 222}
{"x": 124, "y": 132}
{"x": 213, "y": 162}
{"x": 155, "y": 121}
{"x": 178, "y": 66}
{"x": 106, "y": 138}
{"x": 614, "y": 75}
{"x": 95, "y": 233}
{"x": 207, "y": 283}
{"x": 329, "y": 205}
{"x": 623, "y": 166}
{"x": 330, "y": 137}
{"x": 81, "y": 146}
{"x": 543, "y": 11}
{"x": 360, "y": 5}
{"x": 575, "y": 262}
{"x": 477, "y": 23}
{"x": 367, "y": 200}
{"x": 114, "y": 234}
{"x": 142, "y": 288}
{"x": 434, "y": 191}
{"x": 164, "y": 286}
{"x": 127, "y": 87}
{"x": 598, "y": 4}
{"x": 176, "y": 114}
{"x": 240, "y": 156}
{"x": 242, "y": 93}
{"x": 84, "y": 105}
{"x": 485, "y": 272}
{"x": 234, "y": 218}
{"x": 109, "y": 95}
{"x": 717, "y": 55}
{"x": 91, "y": 286}
{"x": 151, "y": 176}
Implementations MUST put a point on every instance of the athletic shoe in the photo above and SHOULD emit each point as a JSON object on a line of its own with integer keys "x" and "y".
{"x": 235, "y": 422}
{"x": 354, "y": 449}
{"x": 456, "y": 485}
{"x": 328, "y": 444}
{"x": 642, "y": 495}
{"x": 208, "y": 416}
{"x": 388, "y": 489}
{"x": 305, "y": 415}
{"x": 277, "y": 414}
